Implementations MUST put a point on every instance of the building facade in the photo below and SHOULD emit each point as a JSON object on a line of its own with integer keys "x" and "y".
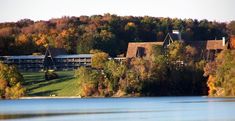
{"x": 40, "y": 62}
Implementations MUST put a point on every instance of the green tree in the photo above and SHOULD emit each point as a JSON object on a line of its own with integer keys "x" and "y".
{"x": 115, "y": 72}
{"x": 86, "y": 42}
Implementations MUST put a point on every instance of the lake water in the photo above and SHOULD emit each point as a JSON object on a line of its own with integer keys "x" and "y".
{"x": 120, "y": 109}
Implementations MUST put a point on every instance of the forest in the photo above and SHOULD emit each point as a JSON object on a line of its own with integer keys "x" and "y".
{"x": 108, "y": 33}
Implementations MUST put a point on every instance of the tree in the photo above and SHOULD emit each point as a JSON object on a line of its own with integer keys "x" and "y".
{"x": 176, "y": 51}
{"x": 114, "y": 72}
{"x": 231, "y": 27}
{"x": 87, "y": 80}
{"x": 86, "y": 43}
{"x": 106, "y": 41}
{"x": 221, "y": 81}
{"x": 132, "y": 85}
{"x": 142, "y": 67}
{"x": 10, "y": 82}
{"x": 99, "y": 59}
{"x": 174, "y": 71}
{"x": 160, "y": 64}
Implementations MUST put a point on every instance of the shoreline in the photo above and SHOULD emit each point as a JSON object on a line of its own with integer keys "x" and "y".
{"x": 51, "y": 97}
{"x": 79, "y": 97}
{"x": 71, "y": 97}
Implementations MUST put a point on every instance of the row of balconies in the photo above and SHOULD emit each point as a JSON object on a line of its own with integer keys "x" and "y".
{"x": 30, "y": 66}
{"x": 71, "y": 65}
{"x": 61, "y": 64}
{"x": 23, "y": 62}
{"x": 85, "y": 60}
{"x": 42, "y": 60}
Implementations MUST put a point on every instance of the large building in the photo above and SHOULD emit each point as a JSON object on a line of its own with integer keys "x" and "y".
{"x": 54, "y": 58}
{"x": 39, "y": 63}
{"x": 206, "y": 49}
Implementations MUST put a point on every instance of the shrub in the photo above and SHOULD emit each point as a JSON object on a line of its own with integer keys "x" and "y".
{"x": 49, "y": 75}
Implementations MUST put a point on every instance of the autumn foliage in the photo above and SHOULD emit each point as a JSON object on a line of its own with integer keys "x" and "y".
{"x": 161, "y": 74}
{"x": 109, "y": 33}
{"x": 221, "y": 81}
{"x": 10, "y": 82}
{"x": 232, "y": 42}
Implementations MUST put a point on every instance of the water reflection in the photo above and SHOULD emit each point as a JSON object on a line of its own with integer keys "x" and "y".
{"x": 18, "y": 116}
{"x": 129, "y": 109}
{"x": 207, "y": 101}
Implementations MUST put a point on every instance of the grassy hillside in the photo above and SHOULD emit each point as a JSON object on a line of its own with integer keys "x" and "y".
{"x": 36, "y": 85}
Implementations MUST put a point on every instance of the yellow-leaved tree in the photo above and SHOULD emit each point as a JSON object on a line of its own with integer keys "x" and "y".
{"x": 99, "y": 59}
{"x": 10, "y": 82}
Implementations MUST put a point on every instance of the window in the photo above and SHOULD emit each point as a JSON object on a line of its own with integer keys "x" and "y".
{"x": 140, "y": 52}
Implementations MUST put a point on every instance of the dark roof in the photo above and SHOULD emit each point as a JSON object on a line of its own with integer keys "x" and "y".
{"x": 24, "y": 57}
{"x": 57, "y": 51}
{"x": 174, "y": 36}
{"x": 27, "y": 57}
{"x": 74, "y": 56}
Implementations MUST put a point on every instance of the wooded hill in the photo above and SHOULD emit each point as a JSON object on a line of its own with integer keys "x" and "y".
{"x": 109, "y": 33}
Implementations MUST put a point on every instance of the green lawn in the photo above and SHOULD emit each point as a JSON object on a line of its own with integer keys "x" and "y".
{"x": 36, "y": 85}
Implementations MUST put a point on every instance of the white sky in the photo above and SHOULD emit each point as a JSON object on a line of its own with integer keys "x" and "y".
{"x": 219, "y": 10}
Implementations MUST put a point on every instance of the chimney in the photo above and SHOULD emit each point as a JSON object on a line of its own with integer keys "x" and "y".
{"x": 223, "y": 39}
{"x": 175, "y": 31}
{"x": 178, "y": 33}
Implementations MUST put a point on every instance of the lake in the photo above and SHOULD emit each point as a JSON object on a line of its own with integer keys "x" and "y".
{"x": 120, "y": 109}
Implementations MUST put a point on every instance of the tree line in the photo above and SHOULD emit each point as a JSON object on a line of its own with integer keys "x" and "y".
{"x": 109, "y": 33}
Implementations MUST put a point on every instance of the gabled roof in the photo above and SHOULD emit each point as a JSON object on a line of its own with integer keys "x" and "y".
{"x": 215, "y": 44}
{"x": 145, "y": 43}
{"x": 208, "y": 45}
{"x": 171, "y": 37}
{"x": 133, "y": 48}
